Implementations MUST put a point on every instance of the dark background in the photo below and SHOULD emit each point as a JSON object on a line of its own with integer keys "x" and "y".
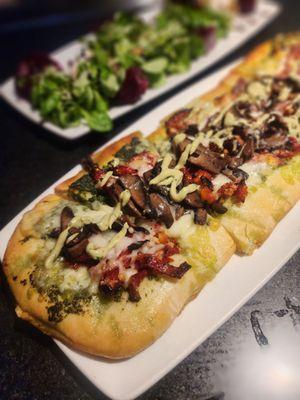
{"x": 232, "y": 364}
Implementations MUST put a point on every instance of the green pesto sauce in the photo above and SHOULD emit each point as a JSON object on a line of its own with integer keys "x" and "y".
{"x": 115, "y": 326}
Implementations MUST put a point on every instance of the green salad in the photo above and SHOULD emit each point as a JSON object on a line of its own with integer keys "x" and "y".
{"x": 124, "y": 58}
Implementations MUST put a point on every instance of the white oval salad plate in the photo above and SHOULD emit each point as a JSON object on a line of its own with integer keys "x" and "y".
{"x": 243, "y": 28}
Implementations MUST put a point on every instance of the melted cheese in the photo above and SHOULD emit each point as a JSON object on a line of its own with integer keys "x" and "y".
{"x": 219, "y": 181}
{"x": 57, "y": 248}
{"x": 183, "y": 227}
{"x": 105, "y": 178}
{"x": 179, "y": 138}
{"x": 74, "y": 279}
{"x": 255, "y": 170}
{"x": 258, "y": 91}
{"x": 125, "y": 197}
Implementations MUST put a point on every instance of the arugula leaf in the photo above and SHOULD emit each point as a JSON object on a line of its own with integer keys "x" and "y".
{"x": 97, "y": 121}
{"x": 162, "y": 48}
{"x": 155, "y": 66}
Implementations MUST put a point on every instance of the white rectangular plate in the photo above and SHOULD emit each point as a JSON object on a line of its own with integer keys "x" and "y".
{"x": 232, "y": 287}
{"x": 243, "y": 28}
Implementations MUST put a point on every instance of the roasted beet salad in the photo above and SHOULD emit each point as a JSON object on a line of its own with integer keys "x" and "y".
{"x": 125, "y": 57}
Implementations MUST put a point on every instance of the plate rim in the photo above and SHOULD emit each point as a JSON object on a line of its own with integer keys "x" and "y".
{"x": 74, "y": 133}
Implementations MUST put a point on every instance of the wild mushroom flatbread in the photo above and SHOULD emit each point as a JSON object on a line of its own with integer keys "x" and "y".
{"x": 107, "y": 263}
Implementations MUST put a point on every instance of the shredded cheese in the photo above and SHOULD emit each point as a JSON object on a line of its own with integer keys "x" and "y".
{"x": 105, "y": 178}
{"x": 57, "y": 248}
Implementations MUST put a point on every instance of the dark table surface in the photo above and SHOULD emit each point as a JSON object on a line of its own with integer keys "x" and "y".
{"x": 253, "y": 356}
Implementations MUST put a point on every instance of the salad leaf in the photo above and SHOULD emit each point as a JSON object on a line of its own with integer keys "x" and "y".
{"x": 123, "y": 59}
{"x": 97, "y": 120}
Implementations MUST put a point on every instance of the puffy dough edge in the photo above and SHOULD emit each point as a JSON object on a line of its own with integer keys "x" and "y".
{"x": 258, "y": 216}
{"x": 100, "y": 157}
{"x": 120, "y": 329}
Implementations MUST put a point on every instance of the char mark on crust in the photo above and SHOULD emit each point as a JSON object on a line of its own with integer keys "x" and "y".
{"x": 177, "y": 122}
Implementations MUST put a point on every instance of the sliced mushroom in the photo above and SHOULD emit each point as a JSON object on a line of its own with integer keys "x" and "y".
{"x": 192, "y": 130}
{"x": 274, "y": 126}
{"x": 193, "y": 200}
{"x": 161, "y": 209}
{"x": 179, "y": 211}
{"x": 235, "y": 162}
{"x": 137, "y": 245}
{"x": 248, "y": 149}
{"x": 209, "y": 160}
{"x": 65, "y": 218}
{"x": 75, "y": 249}
{"x": 161, "y": 189}
{"x": 136, "y": 187}
{"x": 182, "y": 145}
{"x": 114, "y": 190}
{"x": 274, "y": 142}
{"x": 218, "y": 208}
{"x": 200, "y": 216}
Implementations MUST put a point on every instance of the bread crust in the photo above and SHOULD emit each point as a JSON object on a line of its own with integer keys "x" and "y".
{"x": 113, "y": 329}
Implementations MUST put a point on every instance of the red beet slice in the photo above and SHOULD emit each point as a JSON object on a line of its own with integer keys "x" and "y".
{"x": 28, "y": 67}
{"x": 133, "y": 87}
{"x": 209, "y": 36}
{"x": 247, "y": 6}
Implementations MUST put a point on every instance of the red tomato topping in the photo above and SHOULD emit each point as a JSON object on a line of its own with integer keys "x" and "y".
{"x": 207, "y": 195}
{"x": 169, "y": 251}
{"x": 110, "y": 279}
{"x": 97, "y": 174}
{"x": 124, "y": 170}
{"x": 199, "y": 174}
{"x": 227, "y": 190}
{"x": 187, "y": 175}
{"x": 241, "y": 193}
